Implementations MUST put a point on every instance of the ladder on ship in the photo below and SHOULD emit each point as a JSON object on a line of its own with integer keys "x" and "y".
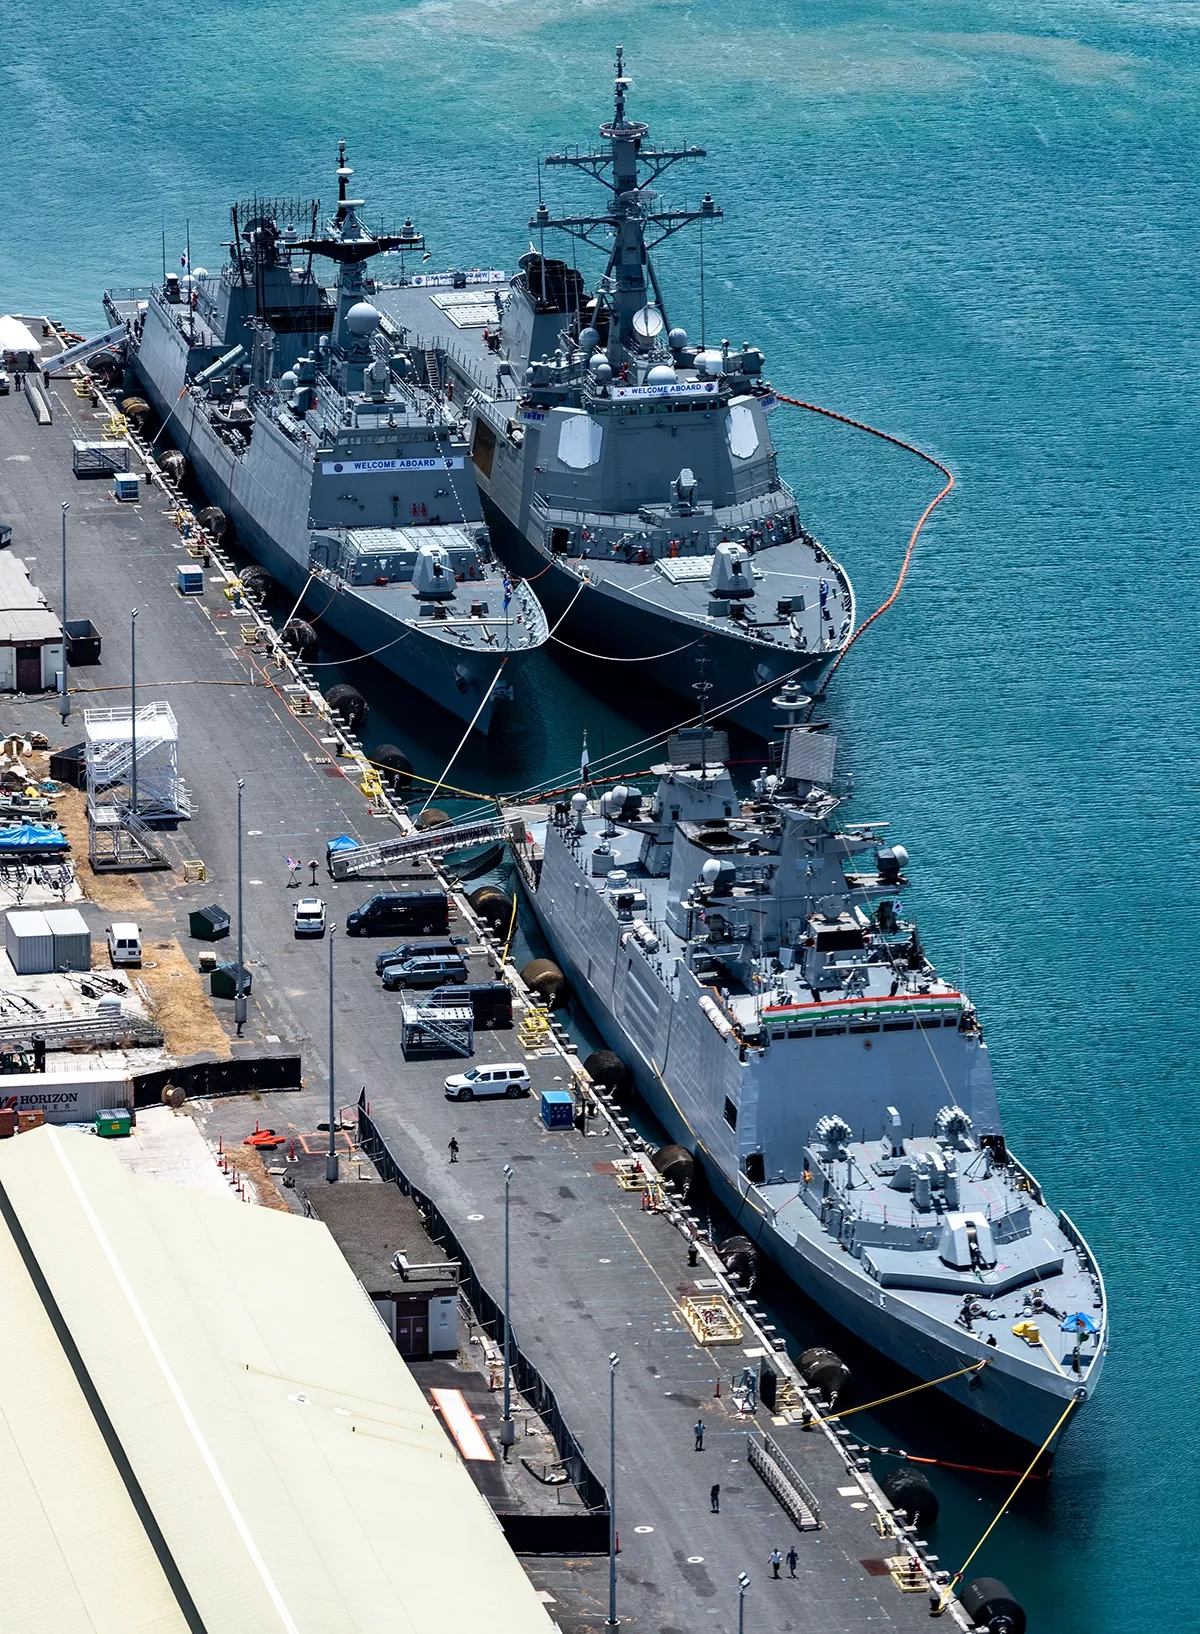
{"x": 433, "y": 369}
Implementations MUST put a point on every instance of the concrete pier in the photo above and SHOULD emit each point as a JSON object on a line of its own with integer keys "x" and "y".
{"x": 593, "y": 1273}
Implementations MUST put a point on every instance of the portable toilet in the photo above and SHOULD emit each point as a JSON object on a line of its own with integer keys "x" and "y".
{"x": 558, "y": 1109}
{"x": 189, "y": 579}
{"x": 125, "y": 486}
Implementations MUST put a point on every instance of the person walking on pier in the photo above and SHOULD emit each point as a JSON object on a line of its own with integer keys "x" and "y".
{"x": 775, "y": 1561}
{"x": 453, "y": 1149}
{"x": 699, "y": 1435}
{"x": 714, "y": 1497}
{"x": 793, "y": 1560}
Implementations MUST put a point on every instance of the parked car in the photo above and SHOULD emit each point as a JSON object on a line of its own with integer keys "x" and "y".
{"x": 504, "y": 1078}
{"x": 424, "y": 973}
{"x": 395, "y": 913}
{"x": 432, "y": 949}
{"x": 491, "y": 1002}
{"x": 5, "y": 383}
{"x": 309, "y": 917}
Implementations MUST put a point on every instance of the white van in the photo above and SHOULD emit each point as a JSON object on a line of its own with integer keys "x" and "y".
{"x": 505, "y": 1078}
{"x": 125, "y": 944}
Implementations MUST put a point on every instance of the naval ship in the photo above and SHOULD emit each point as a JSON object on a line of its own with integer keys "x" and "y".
{"x": 628, "y": 472}
{"x": 338, "y": 455}
{"x": 751, "y": 961}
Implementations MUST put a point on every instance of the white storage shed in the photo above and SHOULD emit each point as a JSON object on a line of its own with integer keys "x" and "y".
{"x": 72, "y": 938}
{"x": 29, "y": 942}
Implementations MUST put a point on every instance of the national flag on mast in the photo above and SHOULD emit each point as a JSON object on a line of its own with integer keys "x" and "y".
{"x": 508, "y": 593}
{"x": 583, "y": 760}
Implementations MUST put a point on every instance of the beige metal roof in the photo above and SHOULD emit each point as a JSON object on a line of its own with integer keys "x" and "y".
{"x": 300, "y": 1481}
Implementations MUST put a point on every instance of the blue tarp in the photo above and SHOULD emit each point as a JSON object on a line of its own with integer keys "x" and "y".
{"x": 1078, "y": 1322}
{"x": 32, "y": 837}
{"x": 341, "y": 842}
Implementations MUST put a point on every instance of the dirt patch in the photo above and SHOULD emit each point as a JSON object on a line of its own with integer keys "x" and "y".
{"x": 181, "y": 1006}
{"x": 117, "y": 891}
{"x": 247, "y": 1161}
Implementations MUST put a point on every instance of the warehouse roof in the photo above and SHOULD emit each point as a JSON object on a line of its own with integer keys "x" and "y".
{"x": 371, "y": 1224}
{"x": 209, "y": 1426}
{"x": 24, "y": 615}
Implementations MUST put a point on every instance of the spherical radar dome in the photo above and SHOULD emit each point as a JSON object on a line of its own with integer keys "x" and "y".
{"x": 363, "y": 319}
{"x": 662, "y": 374}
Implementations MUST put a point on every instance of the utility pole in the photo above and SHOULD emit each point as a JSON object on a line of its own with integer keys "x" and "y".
{"x": 614, "y": 1361}
{"x": 64, "y": 703}
{"x": 239, "y": 982}
{"x": 133, "y": 710}
{"x": 743, "y": 1585}
{"x": 331, "y": 1159}
{"x": 507, "y": 1430}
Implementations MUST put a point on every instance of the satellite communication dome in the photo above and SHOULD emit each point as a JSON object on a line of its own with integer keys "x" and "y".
{"x": 678, "y": 338}
{"x": 711, "y": 871}
{"x": 648, "y": 321}
{"x": 603, "y": 372}
{"x": 662, "y": 374}
{"x": 710, "y": 362}
{"x": 363, "y": 319}
{"x": 589, "y": 339}
{"x": 287, "y": 380}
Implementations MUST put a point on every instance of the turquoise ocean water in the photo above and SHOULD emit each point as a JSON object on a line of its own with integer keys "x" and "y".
{"x": 976, "y": 226}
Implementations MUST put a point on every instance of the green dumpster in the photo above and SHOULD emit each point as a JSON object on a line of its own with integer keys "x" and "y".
{"x": 113, "y": 1122}
{"x": 221, "y": 984}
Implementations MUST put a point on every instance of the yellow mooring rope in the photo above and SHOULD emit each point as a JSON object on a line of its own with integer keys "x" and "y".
{"x": 961, "y": 1572}
{"x": 975, "y": 1367}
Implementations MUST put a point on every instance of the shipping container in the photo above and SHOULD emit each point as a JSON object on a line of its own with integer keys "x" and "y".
{"x": 29, "y": 942}
{"x": 72, "y": 938}
{"x": 74, "y": 1096}
{"x": 102, "y": 459}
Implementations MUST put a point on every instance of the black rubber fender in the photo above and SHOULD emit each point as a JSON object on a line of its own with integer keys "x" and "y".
{"x": 677, "y": 1166}
{"x": 908, "y": 1489}
{"x": 300, "y": 637}
{"x": 740, "y": 1258}
{"x": 547, "y": 981}
{"x": 494, "y": 906}
{"x": 989, "y": 1605}
{"x": 349, "y": 703}
{"x": 432, "y": 817}
{"x": 393, "y": 764}
{"x": 609, "y": 1072}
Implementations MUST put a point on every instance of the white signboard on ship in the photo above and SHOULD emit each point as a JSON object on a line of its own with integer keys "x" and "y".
{"x": 358, "y": 468}
{"x": 681, "y": 388}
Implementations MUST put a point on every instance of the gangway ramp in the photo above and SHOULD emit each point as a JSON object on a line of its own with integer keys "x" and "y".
{"x": 430, "y": 842}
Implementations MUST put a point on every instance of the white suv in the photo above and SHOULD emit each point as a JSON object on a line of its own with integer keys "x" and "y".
{"x": 505, "y": 1078}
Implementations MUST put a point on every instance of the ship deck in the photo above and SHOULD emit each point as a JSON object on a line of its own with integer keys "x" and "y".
{"x": 416, "y": 309}
{"x": 592, "y": 1273}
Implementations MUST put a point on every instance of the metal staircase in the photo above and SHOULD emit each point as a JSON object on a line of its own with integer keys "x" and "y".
{"x": 72, "y": 1031}
{"x": 433, "y": 369}
{"x": 430, "y": 842}
{"x": 428, "y": 1028}
{"x": 783, "y": 1479}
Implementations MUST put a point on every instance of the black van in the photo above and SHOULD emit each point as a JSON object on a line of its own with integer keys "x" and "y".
{"x": 491, "y": 1001}
{"x": 400, "y": 913}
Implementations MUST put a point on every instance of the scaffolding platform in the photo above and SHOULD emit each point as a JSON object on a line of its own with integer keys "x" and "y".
{"x": 429, "y": 1030}
{"x": 115, "y": 740}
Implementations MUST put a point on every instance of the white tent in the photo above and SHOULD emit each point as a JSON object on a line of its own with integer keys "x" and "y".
{"x": 16, "y": 337}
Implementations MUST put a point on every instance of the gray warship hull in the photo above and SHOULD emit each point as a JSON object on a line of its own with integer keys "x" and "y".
{"x": 740, "y": 1077}
{"x": 265, "y": 497}
{"x": 654, "y": 645}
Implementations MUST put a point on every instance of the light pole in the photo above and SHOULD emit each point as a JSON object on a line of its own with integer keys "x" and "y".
{"x": 239, "y": 981}
{"x": 133, "y": 713}
{"x": 614, "y": 1361}
{"x": 331, "y": 1160}
{"x": 507, "y": 1431}
{"x": 743, "y": 1585}
{"x": 64, "y": 703}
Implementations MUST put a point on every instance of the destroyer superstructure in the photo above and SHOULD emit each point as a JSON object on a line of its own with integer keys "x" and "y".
{"x": 752, "y": 963}
{"x": 336, "y": 454}
{"x": 630, "y": 469}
